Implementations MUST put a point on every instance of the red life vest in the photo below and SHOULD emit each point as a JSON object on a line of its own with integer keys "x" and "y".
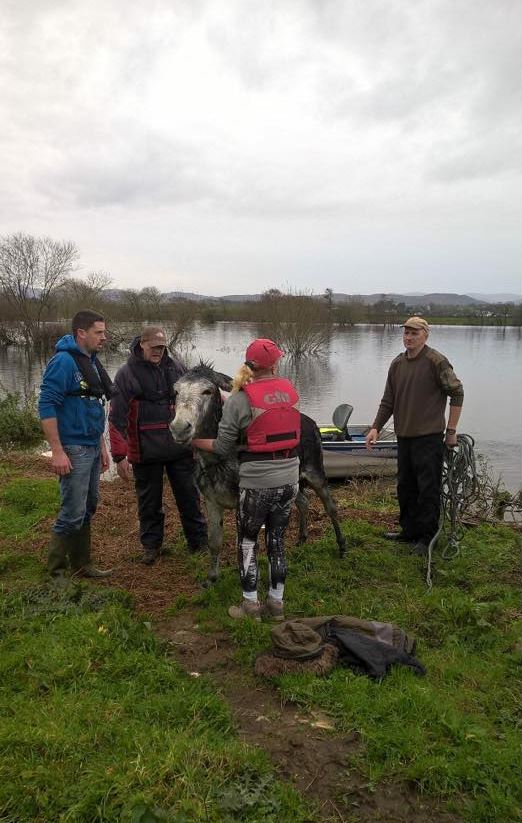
{"x": 276, "y": 422}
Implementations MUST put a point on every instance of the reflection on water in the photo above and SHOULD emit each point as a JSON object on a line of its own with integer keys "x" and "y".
{"x": 487, "y": 359}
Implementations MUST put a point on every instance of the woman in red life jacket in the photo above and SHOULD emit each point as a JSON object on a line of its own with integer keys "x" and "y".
{"x": 262, "y": 425}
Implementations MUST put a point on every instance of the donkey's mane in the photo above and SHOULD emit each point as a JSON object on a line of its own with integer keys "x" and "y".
{"x": 205, "y": 369}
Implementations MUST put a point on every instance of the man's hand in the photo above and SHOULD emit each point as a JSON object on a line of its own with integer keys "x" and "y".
{"x": 124, "y": 469}
{"x": 451, "y": 440}
{"x": 371, "y": 438}
{"x": 105, "y": 462}
{"x": 60, "y": 463}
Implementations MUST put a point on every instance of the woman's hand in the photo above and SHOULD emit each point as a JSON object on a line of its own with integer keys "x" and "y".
{"x": 205, "y": 444}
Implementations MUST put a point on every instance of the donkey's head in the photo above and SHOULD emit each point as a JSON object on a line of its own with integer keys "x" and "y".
{"x": 198, "y": 403}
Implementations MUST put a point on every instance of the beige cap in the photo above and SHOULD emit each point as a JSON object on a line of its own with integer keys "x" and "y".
{"x": 154, "y": 335}
{"x": 416, "y": 323}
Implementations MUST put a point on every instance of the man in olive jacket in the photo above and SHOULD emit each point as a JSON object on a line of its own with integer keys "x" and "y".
{"x": 141, "y": 443}
{"x": 419, "y": 382}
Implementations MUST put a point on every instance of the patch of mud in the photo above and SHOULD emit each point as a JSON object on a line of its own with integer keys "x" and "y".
{"x": 301, "y": 745}
{"x": 116, "y": 543}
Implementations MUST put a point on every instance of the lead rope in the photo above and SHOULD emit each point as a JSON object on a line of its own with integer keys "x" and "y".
{"x": 459, "y": 489}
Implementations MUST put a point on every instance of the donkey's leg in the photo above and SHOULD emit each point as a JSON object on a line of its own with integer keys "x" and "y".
{"x": 215, "y": 538}
{"x": 301, "y": 502}
{"x": 320, "y": 486}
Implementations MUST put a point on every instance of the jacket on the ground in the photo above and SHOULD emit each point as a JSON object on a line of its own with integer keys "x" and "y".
{"x": 142, "y": 409}
{"x": 80, "y": 419}
{"x": 276, "y": 422}
{"x": 366, "y": 646}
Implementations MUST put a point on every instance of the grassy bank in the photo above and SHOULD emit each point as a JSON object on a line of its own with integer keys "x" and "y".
{"x": 456, "y": 732}
{"x": 97, "y": 723}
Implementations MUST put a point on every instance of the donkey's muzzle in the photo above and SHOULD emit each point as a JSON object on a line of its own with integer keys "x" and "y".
{"x": 181, "y": 432}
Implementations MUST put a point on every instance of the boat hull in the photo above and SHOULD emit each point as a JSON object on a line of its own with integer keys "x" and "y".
{"x": 351, "y": 458}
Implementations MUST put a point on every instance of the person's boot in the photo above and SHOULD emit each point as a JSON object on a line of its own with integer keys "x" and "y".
{"x": 81, "y": 555}
{"x": 247, "y": 608}
{"x": 421, "y": 548}
{"x": 150, "y": 555}
{"x": 57, "y": 559}
{"x": 274, "y": 609}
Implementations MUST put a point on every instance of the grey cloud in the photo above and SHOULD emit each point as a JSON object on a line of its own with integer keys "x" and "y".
{"x": 479, "y": 159}
{"x": 148, "y": 171}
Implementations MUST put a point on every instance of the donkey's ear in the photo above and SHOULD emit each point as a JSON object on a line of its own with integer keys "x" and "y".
{"x": 223, "y": 381}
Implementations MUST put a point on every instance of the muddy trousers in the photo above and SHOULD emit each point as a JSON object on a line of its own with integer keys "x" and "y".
{"x": 271, "y": 508}
{"x": 148, "y": 481}
{"x": 419, "y": 473}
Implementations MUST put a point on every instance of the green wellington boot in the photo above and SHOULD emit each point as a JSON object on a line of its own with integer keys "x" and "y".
{"x": 57, "y": 558}
{"x": 80, "y": 555}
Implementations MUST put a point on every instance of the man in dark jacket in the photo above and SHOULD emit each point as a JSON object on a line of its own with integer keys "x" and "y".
{"x": 141, "y": 443}
{"x": 73, "y": 392}
{"x": 420, "y": 380}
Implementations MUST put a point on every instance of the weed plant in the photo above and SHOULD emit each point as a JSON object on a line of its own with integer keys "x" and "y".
{"x": 19, "y": 423}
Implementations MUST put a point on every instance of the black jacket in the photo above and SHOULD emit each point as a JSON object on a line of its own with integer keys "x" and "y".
{"x": 142, "y": 407}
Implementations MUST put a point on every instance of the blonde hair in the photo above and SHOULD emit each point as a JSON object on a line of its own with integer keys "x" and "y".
{"x": 244, "y": 375}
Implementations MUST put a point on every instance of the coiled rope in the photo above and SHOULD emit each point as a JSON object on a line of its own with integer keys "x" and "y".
{"x": 459, "y": 489}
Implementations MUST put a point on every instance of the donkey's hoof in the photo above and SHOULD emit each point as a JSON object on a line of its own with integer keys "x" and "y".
{"x": 302, "y": 539}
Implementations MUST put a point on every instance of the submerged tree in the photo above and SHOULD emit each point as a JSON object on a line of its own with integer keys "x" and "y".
{"x": 299, "y": 322}
{"x": 31, "y": 271}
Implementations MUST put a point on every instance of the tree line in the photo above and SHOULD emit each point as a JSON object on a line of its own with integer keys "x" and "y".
{"x": 40, "y": 290}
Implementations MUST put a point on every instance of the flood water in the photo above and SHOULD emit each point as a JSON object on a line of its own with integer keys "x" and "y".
{"x": 488, "y": 360}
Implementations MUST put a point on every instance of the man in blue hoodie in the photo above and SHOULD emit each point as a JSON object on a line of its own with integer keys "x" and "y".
{"x": 73, "y": 392}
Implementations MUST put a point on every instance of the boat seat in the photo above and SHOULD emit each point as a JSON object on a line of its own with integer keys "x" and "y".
{"x": 340, "y": 419}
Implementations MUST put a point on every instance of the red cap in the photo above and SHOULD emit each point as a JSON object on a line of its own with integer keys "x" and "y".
{"x": 263, "y": 353}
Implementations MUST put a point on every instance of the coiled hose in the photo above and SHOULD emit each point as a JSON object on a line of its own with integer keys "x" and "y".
{"x": 459, "y": 489}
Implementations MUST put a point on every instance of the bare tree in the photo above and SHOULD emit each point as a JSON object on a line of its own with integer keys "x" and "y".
{"x": 75, "y": 294}
{"x": 152, "y": 300}
{"x": 298, "y": 321}
{"x": 181, "y": 317}
{"x": 133, "y": 305}
{"x": 31, "y": 270}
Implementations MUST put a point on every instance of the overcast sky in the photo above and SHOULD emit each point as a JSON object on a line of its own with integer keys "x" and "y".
{"x": 231, "y": 146}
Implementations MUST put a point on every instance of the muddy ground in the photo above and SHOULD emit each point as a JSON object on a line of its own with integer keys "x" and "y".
{"x": 303, "y": 746}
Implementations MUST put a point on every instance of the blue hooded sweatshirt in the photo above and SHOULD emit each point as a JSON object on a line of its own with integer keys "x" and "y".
{"x": 81, "y": 420}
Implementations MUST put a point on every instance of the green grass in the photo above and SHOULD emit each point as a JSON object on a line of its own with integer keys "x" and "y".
{"x": 24, "y": 503}
{"x": 456, "y": 732}
{"x": 97, "y": 723}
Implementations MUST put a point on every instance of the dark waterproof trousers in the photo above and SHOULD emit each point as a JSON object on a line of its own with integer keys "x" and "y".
{"x": 419, "y": 472}
{"x": 148, "y": 480}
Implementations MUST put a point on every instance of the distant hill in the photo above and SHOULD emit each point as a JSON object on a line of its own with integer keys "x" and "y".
{"x": 412, "y": 300}
{"x": 434, "y": 299}
{"x": 497, "y": 298}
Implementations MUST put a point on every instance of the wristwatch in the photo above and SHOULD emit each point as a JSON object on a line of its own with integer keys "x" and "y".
{"x": 451, "y": 431}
